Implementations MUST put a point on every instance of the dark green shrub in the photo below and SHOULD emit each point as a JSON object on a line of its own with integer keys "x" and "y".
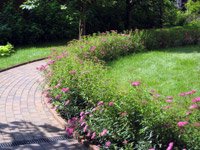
{"x": 169, "y": 37}
{"x": 11, "y": 24}
{"x": 44, "y": 23}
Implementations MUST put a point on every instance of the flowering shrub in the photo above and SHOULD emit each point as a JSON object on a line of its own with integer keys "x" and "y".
{"x": 110, "y": 117}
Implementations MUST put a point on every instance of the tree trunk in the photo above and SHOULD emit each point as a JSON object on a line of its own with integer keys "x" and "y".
{"x": 161, "y": 7}
{"x": 127, "y": 17}
{"x": 129, "y": 7}
{"x": 82, "y": 21}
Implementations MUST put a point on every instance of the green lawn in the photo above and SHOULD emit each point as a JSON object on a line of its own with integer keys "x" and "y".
{"x": 26, "y": 54}
{"x": 168, "y": 71}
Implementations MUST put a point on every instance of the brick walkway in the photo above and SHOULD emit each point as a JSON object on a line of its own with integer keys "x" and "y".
{"x": 24, "y": 118}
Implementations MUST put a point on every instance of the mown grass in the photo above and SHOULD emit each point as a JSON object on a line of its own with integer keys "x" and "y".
{"x": 29, "y": 53}
{"x": 169, "y": 71}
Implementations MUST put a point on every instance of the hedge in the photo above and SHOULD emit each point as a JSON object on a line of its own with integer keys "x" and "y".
{"x": 115, "y": 119}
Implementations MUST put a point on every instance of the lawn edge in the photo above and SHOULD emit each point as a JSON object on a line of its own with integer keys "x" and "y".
{"x": 21, "y": 64}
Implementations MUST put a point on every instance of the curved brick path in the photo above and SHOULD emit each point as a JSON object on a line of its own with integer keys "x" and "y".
{"x": 23, "y": 114}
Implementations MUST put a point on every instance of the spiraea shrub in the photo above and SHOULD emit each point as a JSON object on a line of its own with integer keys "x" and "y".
{"x": 112, "y": 118}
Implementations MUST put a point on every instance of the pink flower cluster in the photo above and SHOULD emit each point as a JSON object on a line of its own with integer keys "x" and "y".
{"x": 42, "y": 68}
{"x": 58, "y": 85}
{"x": 92, "y": 48}
{"x": 104, "y": 132}
{"x": 136, "y": 83}
{"x": 110, "y": 103}
{"x": 100, "y": 103}
{"x": 70, "y": 131}
{"x": 187, "y": 93}
{"x": 71, "y": 126}
{"x": 108, "y": 144}
{"x": 182, "y": 123}
{"x": 169, "y": 101}
{"x": 65, "y": 90}
{"x": 50, "y": 62}
{"x": 170, "y": 147}
{"x": 194, "y": 106}
{"x": 67, "y": 102}
{"x": 195, "y": 100}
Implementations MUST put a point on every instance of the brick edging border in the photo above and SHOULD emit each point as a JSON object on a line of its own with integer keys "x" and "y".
{"x": 56, "y": 115}
{"x": 63, "y": 123}
{"x": 21, "y": 64}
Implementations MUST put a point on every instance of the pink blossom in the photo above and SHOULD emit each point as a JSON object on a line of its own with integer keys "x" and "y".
{"x": 100, "y": 103}
{"x": 111, "y": 103}
{"x": 82, "y": 118}
{"x": 182, "y": 123}
{"x": 82, "y": 113}
{"x": 156, "y": 95}
{"x": 87, "y": 113}
{"x": 194, "y": 91}
{"x": 85, "y": 128}
{"x": 67, "y": 102}
{"x": 88, "y": 134}
{"x": 182, "y": 94}
{"x": 57, "y": 86}
{"x": 51, "y": 62}
{"x": 70, "y": 131}
{"x": 169, "y": 101}
{"x": 104, "y": 132}
{"x": 190, "y": 92}
{"x": 65, "y": 90}
{"x": 59, "y": 57}
{"x": 136, "y": 83}
{"x": 195, "y": 100}
{"x": 55, "y": 108}
{"x": 170, "y": 147}
{"x": 93, "y": 135}
{"x": 152, "y": 149}
{"x": 83, "y": 124}
{"x": 42, "y": 68}
{"x": 125, "y": 142}
{"x": 58, "y": 96}
{"x": 194, "y": 106}
{"x": 72, "y": 121}
{"x": 166, "y": 107}
{"x": 169, "y": 97}
{"x": 188, "y": 112}
{"x": 187, "y": 93}
{"x": 92, "y": 48}
{"x": 108, "y": 143}
{"x": 94, "y": 109}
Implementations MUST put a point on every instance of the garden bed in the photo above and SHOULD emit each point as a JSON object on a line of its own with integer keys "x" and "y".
{"x": 132, "y": 117}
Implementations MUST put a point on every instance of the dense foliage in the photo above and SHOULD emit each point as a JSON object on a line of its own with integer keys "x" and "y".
{"x": 44, "y": 23}
{"x": 46, "y": 20}
{"x": 114, "y": 118}
{"x": 6, "y": 50}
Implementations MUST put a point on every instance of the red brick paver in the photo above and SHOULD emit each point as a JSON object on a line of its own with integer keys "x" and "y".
{"x": 23, "y": 113}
